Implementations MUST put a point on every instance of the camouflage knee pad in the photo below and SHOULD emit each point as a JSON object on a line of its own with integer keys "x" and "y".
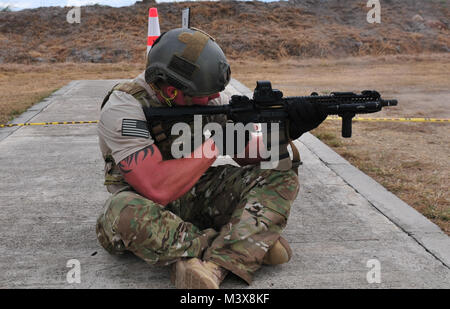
{"x": 257, "y": 222}
{"x": 149, "y": 230}
{"x": 106, "y": 231}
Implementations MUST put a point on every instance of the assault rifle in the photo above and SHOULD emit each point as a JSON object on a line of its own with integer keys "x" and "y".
{"x": 269, "y": 106}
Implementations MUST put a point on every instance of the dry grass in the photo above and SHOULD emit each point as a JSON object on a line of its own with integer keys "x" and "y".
{"x": 23, "y": 85}
{"x": 411, "y": 160}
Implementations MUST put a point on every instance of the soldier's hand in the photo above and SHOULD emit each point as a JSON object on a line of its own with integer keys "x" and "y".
{"x": 303, "y": 118}
{"x": 231, "y": 144}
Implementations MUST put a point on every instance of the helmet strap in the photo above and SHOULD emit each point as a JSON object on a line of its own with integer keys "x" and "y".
{"x": 169, "y": 101}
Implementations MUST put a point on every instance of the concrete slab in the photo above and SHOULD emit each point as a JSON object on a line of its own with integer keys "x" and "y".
{"x": 401, "y": 214}
{"x": 51, "y": 193}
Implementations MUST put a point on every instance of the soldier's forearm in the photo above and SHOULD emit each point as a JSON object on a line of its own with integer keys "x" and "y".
{"x": 252, "y": 152}
{"x": 165, "y": 181}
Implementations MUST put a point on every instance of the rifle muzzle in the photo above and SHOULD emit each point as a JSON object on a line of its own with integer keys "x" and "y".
{"x": 389, "y": 102}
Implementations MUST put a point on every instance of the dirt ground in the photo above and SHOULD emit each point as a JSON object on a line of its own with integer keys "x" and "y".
{"x": 409, "y": 159}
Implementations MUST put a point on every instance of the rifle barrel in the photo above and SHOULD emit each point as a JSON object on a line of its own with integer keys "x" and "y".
{"x": 389, "y": 102}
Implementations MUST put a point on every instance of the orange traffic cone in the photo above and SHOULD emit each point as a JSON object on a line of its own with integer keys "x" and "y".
{"x": 153, "y": 28}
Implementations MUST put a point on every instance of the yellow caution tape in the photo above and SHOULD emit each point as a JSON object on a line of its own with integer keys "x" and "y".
{"x": 441, "y": 120}
{"x": 394, "y": 119}
{"x": 45, "y": 123}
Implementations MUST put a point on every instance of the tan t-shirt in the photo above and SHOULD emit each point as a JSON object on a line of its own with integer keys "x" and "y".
{"x": 122, "y": 128}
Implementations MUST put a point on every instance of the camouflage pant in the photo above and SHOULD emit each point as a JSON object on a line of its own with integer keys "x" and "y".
{"x": 231, "y": 217}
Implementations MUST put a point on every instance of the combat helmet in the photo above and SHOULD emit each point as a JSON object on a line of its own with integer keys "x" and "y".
{"x": 190, "y": 60}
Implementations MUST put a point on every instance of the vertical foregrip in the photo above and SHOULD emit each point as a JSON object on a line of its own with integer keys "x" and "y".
{"x": 347, "y": 124}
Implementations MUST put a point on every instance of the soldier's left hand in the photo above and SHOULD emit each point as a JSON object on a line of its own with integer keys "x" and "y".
{"x": 304, "y": 117}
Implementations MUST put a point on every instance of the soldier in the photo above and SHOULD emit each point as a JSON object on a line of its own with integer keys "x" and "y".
{"x": 205, "y": 221}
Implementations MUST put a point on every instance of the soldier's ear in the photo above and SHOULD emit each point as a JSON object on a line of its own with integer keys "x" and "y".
{"x": 171, "y": 91}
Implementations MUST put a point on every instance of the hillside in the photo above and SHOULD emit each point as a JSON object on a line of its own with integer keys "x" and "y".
{"x": 299, "y": 28}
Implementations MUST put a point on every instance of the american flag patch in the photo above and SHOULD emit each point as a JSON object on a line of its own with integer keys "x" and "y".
{"x": 136, "y": 128}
